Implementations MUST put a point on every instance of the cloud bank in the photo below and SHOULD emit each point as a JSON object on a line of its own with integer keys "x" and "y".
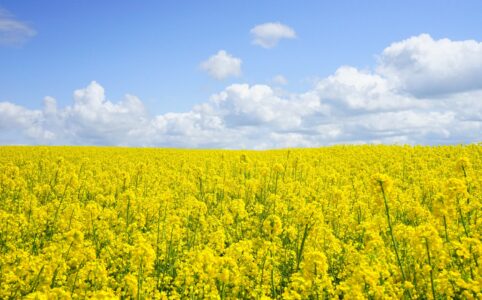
{"x": 422, "y": 91}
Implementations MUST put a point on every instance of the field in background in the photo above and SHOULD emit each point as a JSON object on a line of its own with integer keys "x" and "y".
{"x": 351, "y": 221}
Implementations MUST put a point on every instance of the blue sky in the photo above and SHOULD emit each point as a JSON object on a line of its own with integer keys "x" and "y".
{"x": 155, "y": 50}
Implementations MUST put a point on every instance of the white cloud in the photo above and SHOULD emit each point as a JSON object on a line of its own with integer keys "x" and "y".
{"x": 258, "y": 105}
{"x": 97, "y": 119}
{"x": 280, "y": 80}
{"x": 350, "y": 106}
{"x": 362, "y": 90}
{"x": 12, "y": 31}
{"x": 423, "y": 66}
{"x": 222, "y": 65}
{"x": 268, "y": 35}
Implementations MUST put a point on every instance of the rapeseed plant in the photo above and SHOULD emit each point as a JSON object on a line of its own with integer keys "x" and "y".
{"x": 351, "y": 222}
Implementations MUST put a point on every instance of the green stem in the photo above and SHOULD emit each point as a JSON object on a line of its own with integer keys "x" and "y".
{"x": 446, "y": 232}
{"x": 139, "y": 280}
{"x": 431, "y": 269}
{"x": 462, "y": 219}
{"x": 390, "y": 230}
{"x": 273, "y": 289}
{"x": 37, "y": 280}
{"x": 387, "y": 211}
{"x": 262, "y": 273}
{"x": 299, "y": 253}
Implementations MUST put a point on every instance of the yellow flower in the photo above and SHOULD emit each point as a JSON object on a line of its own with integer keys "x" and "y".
{"x": 382, "y": 182}
{"x": 456, "y": 188}
{"x": 272, "y": 226}
{"x": 463, "y": 164}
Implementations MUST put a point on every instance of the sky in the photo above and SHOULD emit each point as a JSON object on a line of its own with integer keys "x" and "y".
{"x": 240, "y": 74}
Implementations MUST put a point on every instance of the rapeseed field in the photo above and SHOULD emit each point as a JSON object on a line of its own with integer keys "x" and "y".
{"x": 351, "y": 222}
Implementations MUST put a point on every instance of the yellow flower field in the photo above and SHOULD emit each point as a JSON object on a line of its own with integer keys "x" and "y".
{"x": 347, "y": 222}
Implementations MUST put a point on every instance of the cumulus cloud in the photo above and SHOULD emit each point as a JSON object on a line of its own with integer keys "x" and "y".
{"x": 268, "y": 35}
{"x": 423, "y": 66}
{"x": 354, "y": 90}
{"x": 350, "y": 106}
{"x": 91, "y": 119}
{"x": 12, "y": 31}
{"x": 222, "y": 65}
